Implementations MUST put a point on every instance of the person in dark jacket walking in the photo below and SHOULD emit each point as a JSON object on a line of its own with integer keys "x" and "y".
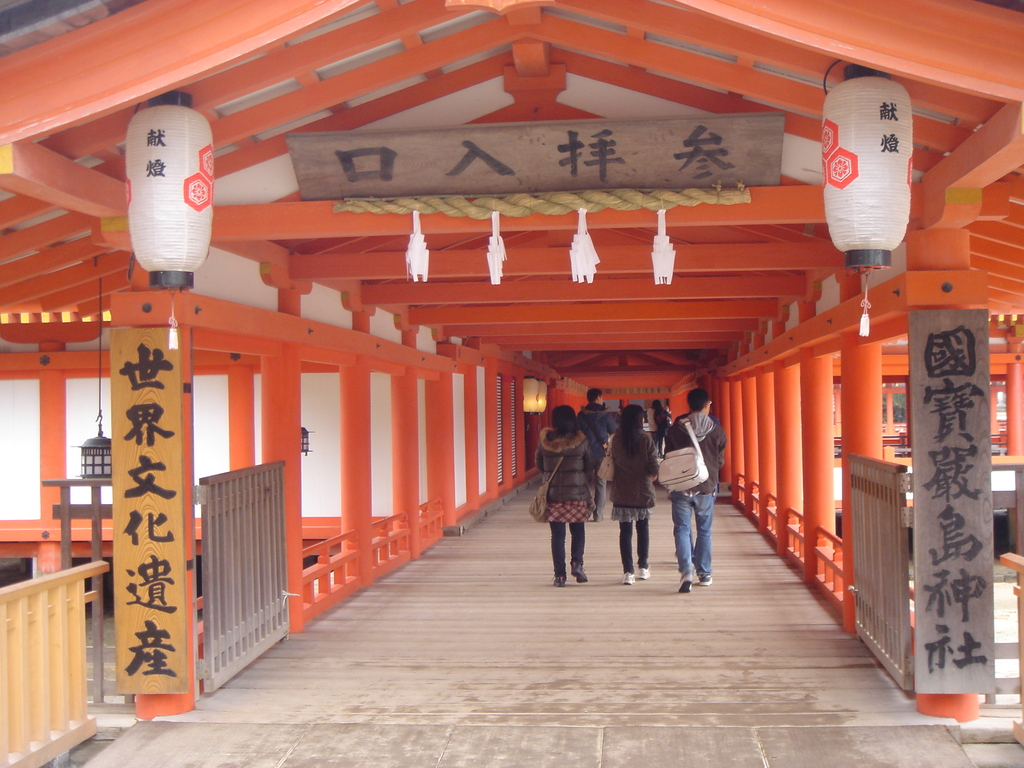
{"x": 697, "y": 502}
{"x": 597, "y": 424}
{"x": 636, "y": 466}
{"x": 569, "y": 496}
{"x": 662, "y": 420}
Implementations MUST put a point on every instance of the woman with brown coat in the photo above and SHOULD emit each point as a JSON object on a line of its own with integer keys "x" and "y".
{"x": 569, "y": 495}
{"x": 636, "y": 466}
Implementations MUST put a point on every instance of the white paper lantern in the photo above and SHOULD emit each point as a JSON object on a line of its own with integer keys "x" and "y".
{"x": 535, "y": 395}
{"x": 169, "y": 164}
{"x": 866, "y": 149}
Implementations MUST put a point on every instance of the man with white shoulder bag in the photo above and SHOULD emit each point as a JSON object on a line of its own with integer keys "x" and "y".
{"x": 697, "y": 500}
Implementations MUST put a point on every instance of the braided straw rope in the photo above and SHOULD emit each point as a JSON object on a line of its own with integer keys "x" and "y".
{"x": 550, "y": 203}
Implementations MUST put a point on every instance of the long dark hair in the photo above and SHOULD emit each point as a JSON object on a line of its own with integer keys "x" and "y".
{"x": 563, "y": 421}
{"x": 631, "y": 428}
{"x": 657, "y": 406}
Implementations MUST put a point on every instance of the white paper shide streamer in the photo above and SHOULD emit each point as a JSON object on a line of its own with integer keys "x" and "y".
{"x": 582, "y": 254}
{"x": 417, "y": 257}
{"x": 495, "y": 251}
{"x": 663, "y": 257}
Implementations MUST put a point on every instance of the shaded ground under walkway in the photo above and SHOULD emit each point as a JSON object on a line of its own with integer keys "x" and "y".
{"x": 469, "y": 657}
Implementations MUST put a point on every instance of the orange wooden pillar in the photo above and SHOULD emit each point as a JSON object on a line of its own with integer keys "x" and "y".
{"x": 816, "y": 425}
{"x": 1014, "y": 408}
{"x": 241, "y": 417}
{"x": 53, "y": 440}
{"x": 405, "y": 445}
{"x": 281, "y": 408}
{"x": 441, "y": 444}
{"x": 490, "y": 406}
{"x": 766, "y": 444}
{"x": 789, "y": 470}
{"x": 735, "y": 435}
{"x": 471, "y": 412}
{"x": 724, "y": 410}
{"x": 860, "y": 396}
{"x": 356, "y": 463}
{"x": 750, "y": 442}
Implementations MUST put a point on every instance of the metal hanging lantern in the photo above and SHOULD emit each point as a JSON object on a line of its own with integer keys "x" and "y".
{"x": 304, "y": 447}
{"x": 169, "y": 165}
{"x": 96, "y": 461}
{"x": 866, "y": 150}
{"x": 95, "y": 452}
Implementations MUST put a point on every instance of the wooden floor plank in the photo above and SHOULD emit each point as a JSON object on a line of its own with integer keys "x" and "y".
{"x": 473, "y": 633}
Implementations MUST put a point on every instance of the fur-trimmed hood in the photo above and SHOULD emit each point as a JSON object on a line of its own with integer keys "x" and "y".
{"x": 550, "y": 441}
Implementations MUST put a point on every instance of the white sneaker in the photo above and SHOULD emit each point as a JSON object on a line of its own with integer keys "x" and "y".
{"x": 643, "y": 574}
{"x": 628, "y": 578}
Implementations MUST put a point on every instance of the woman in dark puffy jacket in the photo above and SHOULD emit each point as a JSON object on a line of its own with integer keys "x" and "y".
{"x": 569, "y": 495}
{"x": 636, "y": 466}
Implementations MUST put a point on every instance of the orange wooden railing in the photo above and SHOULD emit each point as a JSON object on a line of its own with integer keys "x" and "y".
{"x": 769, "y": 513}
{"x": 335, "y": 574}
{"x": 796, "y": 548}
{"x": 829, "y": 576}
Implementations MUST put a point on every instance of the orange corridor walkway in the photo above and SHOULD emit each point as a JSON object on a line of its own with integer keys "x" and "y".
{"x": 469, "y": 657}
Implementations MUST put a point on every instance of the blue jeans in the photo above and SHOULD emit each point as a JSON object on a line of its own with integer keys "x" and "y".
{"x": 692, "y": 555}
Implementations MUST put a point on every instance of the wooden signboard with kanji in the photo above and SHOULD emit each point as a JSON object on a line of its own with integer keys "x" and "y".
{"x": 150, "y": 584}
{"x": 954, "y": 636}
{"x": 499, "y": 159}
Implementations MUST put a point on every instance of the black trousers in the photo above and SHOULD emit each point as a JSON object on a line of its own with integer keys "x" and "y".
{"x": 578, "y": 534}
{"x": 643, "y": 544}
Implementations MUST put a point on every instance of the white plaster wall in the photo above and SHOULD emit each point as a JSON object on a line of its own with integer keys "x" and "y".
{"x": 425, "y": 341}
{"x": 233, "y": 278}
{"x": 380, "y": 444}
{"x": 481, "y": 429}
{"x": 19, "y": 448}
{"x": 382, "y": 324}
{"x": 324, "y": 306}
{"x": 459, "y": 403}
{"x": 321, "y": 473}
{"x": 211, "y": 426}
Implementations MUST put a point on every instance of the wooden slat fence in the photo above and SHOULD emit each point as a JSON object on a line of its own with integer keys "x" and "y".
{"x": 43, "y": 698}
{"x": 245, "y": 578}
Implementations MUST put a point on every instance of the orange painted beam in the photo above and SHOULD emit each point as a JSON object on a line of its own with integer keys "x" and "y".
{"x": 23, "y": 241}
{"x": 988, "y": 154}
{"x": 85, "y": 272}
{"x": 777, "y": 91}
{"x": 130, "y": 310}
{"x": 17, "y": 209}
{"x": 83, "y": 298}
{"x": 412, "y": 96}
{"x": 638, "y": 327}
{"x": 720, "y": 35}
{"x": 29, "y": 169}
{"x": 274, "y": 67}
{"x": 48, "y": 260}
{"x": 924, "y": 40}
{"x": 616, "y": 259}
{"x": 423, "y": 294}
{"x": 140, "y": 52}
{"x": 361, "y": 81}
{"x": 919, "y": 290}
{"x": 553, "y": 313}
{"x": 287, "y": 221}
